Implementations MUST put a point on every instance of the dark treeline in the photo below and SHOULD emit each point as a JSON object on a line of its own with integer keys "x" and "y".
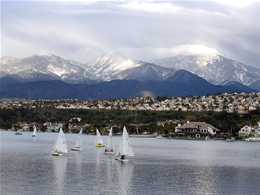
{"x": 145, "y": 120}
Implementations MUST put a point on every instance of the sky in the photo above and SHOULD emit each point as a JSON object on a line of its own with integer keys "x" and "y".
{"x": 142, "y": 30}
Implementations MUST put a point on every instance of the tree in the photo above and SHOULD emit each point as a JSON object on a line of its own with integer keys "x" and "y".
{"x": 190, "y": 118}
{"x": 43, "y": 128}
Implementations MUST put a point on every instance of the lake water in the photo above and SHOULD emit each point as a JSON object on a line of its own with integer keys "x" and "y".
{"x": 160, "y": 166}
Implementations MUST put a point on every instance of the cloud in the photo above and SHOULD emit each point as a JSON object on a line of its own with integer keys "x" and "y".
{"x": 237, "y": 3}
{"x": 84, "y": 55}
{"x": 157, "y": 7}
{"x": 144, "y": 30}
{"x": 149, "y": 54}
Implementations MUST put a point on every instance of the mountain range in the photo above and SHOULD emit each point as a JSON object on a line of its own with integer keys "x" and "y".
{"x": 214, "y": 68}
{"x": 114, "y": 75}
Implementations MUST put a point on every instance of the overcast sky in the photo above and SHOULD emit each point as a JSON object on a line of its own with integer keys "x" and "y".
{"x": 143, "y": 30}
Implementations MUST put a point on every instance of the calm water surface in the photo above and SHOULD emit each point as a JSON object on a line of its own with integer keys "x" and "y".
{"x": 160, "y": 166}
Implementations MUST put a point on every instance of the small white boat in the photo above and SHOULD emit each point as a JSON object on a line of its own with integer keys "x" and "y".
{"x": 230, "y": 139}
{"x": 159, "y": 136}
{"x": 253, "y": 139}
{"x": 78, "y": 145}
{"x": 110, "y": 144}
{"x": 125, "y": 148}
{"x": 18, "y": 133}
{"x": 60, "y": 145}
{"x": 99, "y": 141}
{"x": 34, "y": 131}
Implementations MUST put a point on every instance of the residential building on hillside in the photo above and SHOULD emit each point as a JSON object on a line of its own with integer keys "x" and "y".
{"x": 196, "y": 130}
{"x": 256, "y": 130}
{"x": 53, "y": 127}
{"x": 245, "y": 131}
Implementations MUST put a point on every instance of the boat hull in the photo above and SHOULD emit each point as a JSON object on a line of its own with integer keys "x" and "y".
{"x": 123, "y": 160}
{"x": 230, "y": 139}
{"x": 76, "y": 149}
{"x": 99, "y": 145}
{"x": 56, "y": 154}
{"x": 112, "y": 153}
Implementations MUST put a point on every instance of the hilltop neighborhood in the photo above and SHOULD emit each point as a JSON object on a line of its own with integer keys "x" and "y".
{"x": 232, "y": 103}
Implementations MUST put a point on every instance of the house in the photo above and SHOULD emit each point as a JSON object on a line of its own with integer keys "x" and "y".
{"x": 53, "y": 127}
{"x": 245, "y": 131}
{"x": 255, "y": 131}
{"x": 196, "y": 130}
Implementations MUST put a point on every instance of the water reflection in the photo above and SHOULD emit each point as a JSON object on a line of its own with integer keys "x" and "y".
{"x": 77, "y": 168}
{"x": 125, "y": 171}
{"x": 60, "y": 167}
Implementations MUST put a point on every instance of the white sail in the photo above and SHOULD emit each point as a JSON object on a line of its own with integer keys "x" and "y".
{"x": 110, "y": 143}
{"x": 79, "y": 140}
{"x": 118, "y": 152}
{"x": 34, "y": 131}
{"x": 61, "y": 144}
{"x": 126, "y": 146}
{"x": 99, "y": 138}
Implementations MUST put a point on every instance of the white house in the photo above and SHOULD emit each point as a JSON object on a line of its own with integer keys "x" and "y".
{"x": 245, "y": 131}
{"x": 196, "y": 129}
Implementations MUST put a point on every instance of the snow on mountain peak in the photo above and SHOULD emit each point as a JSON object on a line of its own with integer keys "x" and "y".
{"x": 194, "y": 50}
{"x": 7, "y": 59}
{"x": 205, "y": 55}
{"x": 111, "y": 63}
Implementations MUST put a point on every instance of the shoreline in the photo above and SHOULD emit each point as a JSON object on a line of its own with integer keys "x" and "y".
{"x": 142, "y": 136}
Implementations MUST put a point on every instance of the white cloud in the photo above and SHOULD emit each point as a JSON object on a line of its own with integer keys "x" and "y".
{"x": 149, "y": 54}
{"x": 147, "y": 6}
{"x": 236, "y": 3}
{"x": 84, "y": 55}
{"x": 145, "y": 30}
{"x": 193, "y": 49}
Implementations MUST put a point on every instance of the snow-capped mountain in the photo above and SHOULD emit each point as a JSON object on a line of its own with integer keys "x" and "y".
{"x": 255, "y": 85}
{"x": 115, "y": 66}
{"x": 146, "y": 71}
{"x": 213, "y": 67}
{"x": 202, "y": 61}
{"x": 125, "y": 77}
{"x": 45, "y": 67}
{"x": 110, "y": 64}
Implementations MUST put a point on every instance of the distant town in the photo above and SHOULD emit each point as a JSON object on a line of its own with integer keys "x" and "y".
{"x": 234, "y": 104}
{"x": 241, "y": 103}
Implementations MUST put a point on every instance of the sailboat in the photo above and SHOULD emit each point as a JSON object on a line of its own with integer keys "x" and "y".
{"x": 125, "y": 149}
{"x": 34, "y": 131}
{"x": 78, "y": 145}
{"x": 18, "y": 132}
{"x": 99, "y": 142}
{"x": 159, "y": 136}
{"x": 110, "y": 144}
{"x": 60, "y": 145}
